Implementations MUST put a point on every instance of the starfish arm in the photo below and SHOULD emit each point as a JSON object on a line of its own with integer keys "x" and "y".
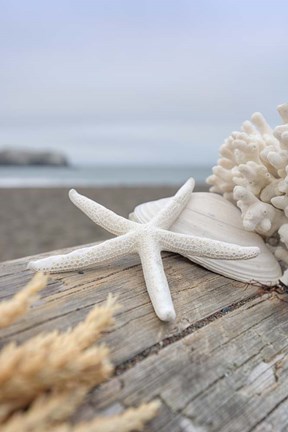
{"x": 100, "y": 215}
{"x": 165, "y": 218}
{"x": 156, "y": 282}
{"x": 102, "y": 253}
{"x": 204, "y": 247}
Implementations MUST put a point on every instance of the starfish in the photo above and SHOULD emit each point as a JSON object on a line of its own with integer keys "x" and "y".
{"x": 148, "y": 240}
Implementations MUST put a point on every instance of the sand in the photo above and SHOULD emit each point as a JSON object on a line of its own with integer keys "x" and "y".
{"x": 35, "y": 220}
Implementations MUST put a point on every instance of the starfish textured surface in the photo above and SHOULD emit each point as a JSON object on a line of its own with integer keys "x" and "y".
{"x": 148, "y": 240}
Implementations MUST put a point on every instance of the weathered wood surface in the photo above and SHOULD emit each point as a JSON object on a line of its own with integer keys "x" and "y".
{"x": 222, "y": 366}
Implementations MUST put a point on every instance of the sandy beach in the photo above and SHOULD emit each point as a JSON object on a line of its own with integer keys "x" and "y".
{"x": 35, "y": 220}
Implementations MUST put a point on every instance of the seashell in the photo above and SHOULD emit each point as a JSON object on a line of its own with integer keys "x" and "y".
{"x": 252, "y": 173}
{"x": 212, "y": 216}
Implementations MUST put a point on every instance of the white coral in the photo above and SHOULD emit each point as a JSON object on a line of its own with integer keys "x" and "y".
{"x": 252, "y": 172}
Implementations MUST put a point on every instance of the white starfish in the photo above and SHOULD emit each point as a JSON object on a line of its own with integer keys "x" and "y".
{"x": 148, "y": 240}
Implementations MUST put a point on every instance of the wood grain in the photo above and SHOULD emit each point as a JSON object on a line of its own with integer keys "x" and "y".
{"x": 221, "y": 366}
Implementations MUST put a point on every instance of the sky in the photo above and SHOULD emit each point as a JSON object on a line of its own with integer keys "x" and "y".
{"x": 138, "y": 81}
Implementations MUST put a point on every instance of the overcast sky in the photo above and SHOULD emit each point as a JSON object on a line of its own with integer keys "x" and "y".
{"x": 138, "y": 81}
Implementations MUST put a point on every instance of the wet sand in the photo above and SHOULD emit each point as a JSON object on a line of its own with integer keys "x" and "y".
{"x": 35, "y": 220}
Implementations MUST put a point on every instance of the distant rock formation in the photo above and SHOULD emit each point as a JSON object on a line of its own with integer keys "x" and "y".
{"x": 32, "y": 157}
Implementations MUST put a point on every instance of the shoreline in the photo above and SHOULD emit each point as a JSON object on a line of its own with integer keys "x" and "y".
{"x": 41, "y": 219}
{"x": 100, "y": 176}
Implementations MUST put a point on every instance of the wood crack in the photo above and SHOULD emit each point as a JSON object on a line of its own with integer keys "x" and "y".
{"x": 243, "y": 332}
{"x": 154, "y": 349}
{"x": 269, "y": 413}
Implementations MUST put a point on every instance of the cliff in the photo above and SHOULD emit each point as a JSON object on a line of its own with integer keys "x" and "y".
{"x": 32, "y": 157}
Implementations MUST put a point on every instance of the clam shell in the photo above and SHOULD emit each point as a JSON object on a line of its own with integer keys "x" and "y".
{"x": 212, "y": 216}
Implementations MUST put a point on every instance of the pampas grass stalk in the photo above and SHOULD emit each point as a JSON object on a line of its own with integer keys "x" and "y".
{"x": 51, "y": 412}
{"x": 133, "y": 419}
{"x": 11, "y": 310}
{"x": 56, "y": 360}
{"x": 50, "y": 374}
{"x": 45, "y": 411}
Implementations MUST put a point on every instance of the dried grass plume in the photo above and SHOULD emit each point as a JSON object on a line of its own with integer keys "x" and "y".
{"x": 11, "y": 310}
{"x": 56, "y": 361}
{"x": 44, "y": 380}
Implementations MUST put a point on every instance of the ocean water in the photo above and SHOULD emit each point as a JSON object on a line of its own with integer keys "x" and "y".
{"x": 100, "y": 175}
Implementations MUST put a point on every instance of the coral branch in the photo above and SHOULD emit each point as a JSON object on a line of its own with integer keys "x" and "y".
{"x": 253, "y": 165}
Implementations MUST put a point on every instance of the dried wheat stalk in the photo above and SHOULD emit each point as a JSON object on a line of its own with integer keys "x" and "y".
{"x": 133, "y": 419}
{"x": 50, "y": 374}
{"x": 12, "y": 309}
{"x": 45, "y": 411}
{"x": 51, "y": 412}
{"x": 55, "y": 361}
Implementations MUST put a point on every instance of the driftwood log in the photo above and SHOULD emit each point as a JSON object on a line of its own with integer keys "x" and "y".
{"x": 222, "y": 366}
